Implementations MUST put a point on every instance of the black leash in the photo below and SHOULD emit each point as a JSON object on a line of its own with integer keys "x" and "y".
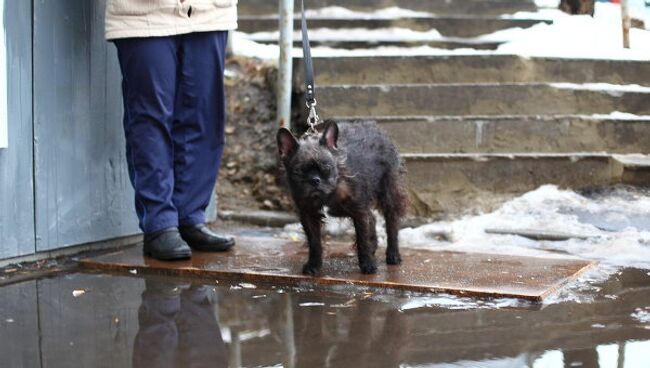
{"x": 310, "y": 86}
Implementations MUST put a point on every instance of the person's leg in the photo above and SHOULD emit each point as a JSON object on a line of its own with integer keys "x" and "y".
{"x": 199, "y": 337}
{"x": 149, "y": 84}
{"x": 198, "y": 135}
{"x": 139, "y": 208}
{"x": 199, "y": 119}
{"x": 157, "y": 342}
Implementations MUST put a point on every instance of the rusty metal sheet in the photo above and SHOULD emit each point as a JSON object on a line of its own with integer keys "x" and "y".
{"x": 265, "y": 259}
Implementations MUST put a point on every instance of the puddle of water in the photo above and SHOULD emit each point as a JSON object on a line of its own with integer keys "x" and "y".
{"x": 145, "y": 321}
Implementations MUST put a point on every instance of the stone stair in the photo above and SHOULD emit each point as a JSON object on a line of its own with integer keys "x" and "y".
{"x": 438, "y": 7}
{"x": 475, "y": 130}
{"x": 466, "y": 26}
{"x": 458, "y": 23}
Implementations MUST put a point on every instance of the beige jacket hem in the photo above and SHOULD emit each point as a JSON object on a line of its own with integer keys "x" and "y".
{"x": 171, "y": 30}
{"x": 159, "y": 18}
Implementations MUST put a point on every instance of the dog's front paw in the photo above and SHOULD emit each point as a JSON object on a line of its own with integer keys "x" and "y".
{"x": 368, "y": 267}
{"x": 311, "y": 269}
{"x": 393, "y": 258}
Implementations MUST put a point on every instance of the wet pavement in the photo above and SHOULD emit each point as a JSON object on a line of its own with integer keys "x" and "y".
{"x": 110, "y": 320}
{"x": 280, "y": 261}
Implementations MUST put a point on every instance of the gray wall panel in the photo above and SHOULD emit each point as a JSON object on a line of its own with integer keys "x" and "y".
{"x": 82, "y": 188}
{"x": 16, "y": 179}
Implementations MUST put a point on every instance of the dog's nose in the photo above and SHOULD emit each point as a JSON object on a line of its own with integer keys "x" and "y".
{"x": 315, "y": 180}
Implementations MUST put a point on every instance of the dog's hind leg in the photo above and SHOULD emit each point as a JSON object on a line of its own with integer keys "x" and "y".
{"x": 392, "y": 203}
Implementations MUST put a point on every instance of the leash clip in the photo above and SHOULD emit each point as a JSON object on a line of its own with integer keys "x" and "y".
{"x": 313, "y": 118}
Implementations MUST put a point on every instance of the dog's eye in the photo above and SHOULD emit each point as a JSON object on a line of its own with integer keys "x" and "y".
{"x": 326, "y": 170}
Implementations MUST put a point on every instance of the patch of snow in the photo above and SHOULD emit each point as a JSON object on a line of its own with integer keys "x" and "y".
{"x": 343, "y": 13}
{"x": 547, "y": 3}
{"x": 574, "y": 36}
{"x": 577, "y": 36}
{"x": 548, "y": 209}
{"x": 642, "y": 315}
{"x": 453, "y": 302}
{"x": 355, "y": 34}
{"x": 311, "y": 304}
{"x": 393, "y": 51}
{"x": 583, "y": 289}
{"x": 636, "y": 159}
{"x": 518, "y": 361}
{"x": 242, "y": 46}
{"x": 618, "y": 115}
{"x": 445, "y": 301}
{"x": 607, "y": 87}
{"x": 226, "y": 334}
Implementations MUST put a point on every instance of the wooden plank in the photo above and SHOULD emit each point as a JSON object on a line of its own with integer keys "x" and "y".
{"x": 83, "y": 192}
{"x": 261, "y": 259}
{"x": 16, "y": 161}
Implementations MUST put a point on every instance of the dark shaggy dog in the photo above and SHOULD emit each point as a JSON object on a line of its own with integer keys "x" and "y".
{"x": 351, "y": 168}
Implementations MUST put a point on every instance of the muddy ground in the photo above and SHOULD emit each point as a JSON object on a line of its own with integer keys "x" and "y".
{"x": 250, "y": 177}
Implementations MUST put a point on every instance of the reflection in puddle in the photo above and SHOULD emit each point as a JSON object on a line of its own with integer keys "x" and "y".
{"x": 161, "y": 322}
{"x": 178, "y": 327}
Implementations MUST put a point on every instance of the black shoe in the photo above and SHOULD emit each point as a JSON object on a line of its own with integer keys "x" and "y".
{"x": 200, "y": 237}
{"x": 166, "y": 245}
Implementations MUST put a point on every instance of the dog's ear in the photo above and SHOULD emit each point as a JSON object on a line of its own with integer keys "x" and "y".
{"x": 330, "y": 135}
{"x": 287, "y": 143}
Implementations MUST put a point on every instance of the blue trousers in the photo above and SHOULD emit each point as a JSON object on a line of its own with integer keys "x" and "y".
{"x": 174, "y": 114}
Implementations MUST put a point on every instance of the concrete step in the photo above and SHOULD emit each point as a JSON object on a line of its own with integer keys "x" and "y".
{"x": 453, "y": 183}
{"x": 457, "y": 26}
{"x": 477, "y": 99}
{"x": 516, "y": 134}
{"x": 449, "y": 43}
{"x": 438, "y": 7}
{"x": 471, "y": 69}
